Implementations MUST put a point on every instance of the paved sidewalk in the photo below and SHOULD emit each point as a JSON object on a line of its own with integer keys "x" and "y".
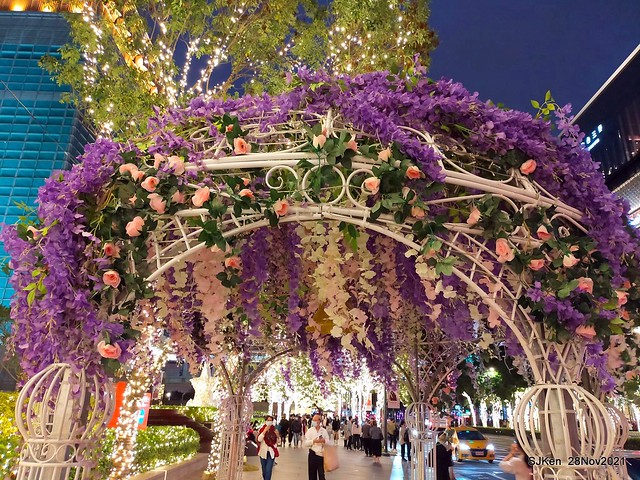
{"x": 292, "y": 465}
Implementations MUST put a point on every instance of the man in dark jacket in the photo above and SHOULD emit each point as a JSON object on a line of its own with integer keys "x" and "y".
{"x": 366, "y": 438}
{"x": 296, "y": 430}
{"x": 284, "y": 429}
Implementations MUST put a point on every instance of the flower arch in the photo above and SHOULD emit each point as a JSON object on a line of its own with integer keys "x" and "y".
{"x": 500, "y": 230}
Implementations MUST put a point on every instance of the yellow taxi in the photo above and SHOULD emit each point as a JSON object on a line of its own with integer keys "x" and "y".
{"x": 470, "y": 444}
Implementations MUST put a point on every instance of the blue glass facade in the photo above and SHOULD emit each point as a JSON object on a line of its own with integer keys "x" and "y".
{"x": 38, "y": 134}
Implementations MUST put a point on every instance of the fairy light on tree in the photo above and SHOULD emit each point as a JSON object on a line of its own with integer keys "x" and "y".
{"x": 145, "y": 56}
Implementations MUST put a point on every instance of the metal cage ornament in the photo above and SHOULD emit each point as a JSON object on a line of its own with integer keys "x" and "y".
{"x": 61, "y": 415}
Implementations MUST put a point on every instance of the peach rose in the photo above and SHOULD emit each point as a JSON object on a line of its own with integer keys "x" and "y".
{"x": 570, "y": 260}
{"x": 447, "y": 390}
{"x": 504, "y": 250}
{"x": 111, "y": 278}
{"x": 134, "y": 227}
{"x": 232, "y": 262}
{"x": 176, "y": 164}
{"x": 319, "y": 141}
{"x": 157, "y": 203}
{"x": 137, "y": 176}
{"x": 372, "y": 184}
{"x": 246, "y": 181}
{"x": 240, "y": 146}
{"x": 413, "y": 172}
{"x": 245, "y": 192}
{"x": 537, "y": 264}
{"x": 229, "y": 128}
{"x": 474, "y": 216}
{"x": 622, "y": 297}
{"x": 614, "y": 362}
{"x": 542, "y": 233}
{"x": 586, "y": 331}
{"x": 150, "y": 184}
{"x": 201, "y": 196}
{"x": 178, "y": 197}
{"x": 352, "y": 144}
{"x": 434, "y": 400}
{"x": 528, "y": 167}
{"x": 585, "y": 284}
{"x": 133, "y": 200}
{"x": 111, "y": 250}
{"x": 109, "y": 351}
{"x": 417, "y": 212}
{"x": 281, "y": 207}
{"x": 128, "y": 168}
{"x": 385, "y": 154}
{"x": 157, "y": 160}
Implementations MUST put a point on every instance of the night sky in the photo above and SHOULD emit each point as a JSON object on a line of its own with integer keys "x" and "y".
{"x": 512, "y": 51}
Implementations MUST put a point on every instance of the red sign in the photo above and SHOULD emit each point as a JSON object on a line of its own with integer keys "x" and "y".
{"x": 143, "y": 407}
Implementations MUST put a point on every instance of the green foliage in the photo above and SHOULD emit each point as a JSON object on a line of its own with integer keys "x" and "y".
{"x": 199, "y": 414}
{"x": 155, "y": 446}
{"x": 9, "y": 363}
{"x": 122, "y": 60}
{"x": 546, "y": 107}
{"x": 9, "y": 437}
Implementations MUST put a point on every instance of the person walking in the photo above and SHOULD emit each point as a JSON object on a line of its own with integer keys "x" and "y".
{"x": 356, "y": 431}
{"x": 375, "y": 441}
{"x": 315, "y": 439}
{"x": 284, "y": 430}
{"x": 296, "y": 430}
{"x": 366, "y": 427}
{"x": 347, "y": 431}
{"x": 392, "y": 431}
{"x": 267, "y": 450}
{"x": 405, "y": 441}
{"x": 335, "y": 429}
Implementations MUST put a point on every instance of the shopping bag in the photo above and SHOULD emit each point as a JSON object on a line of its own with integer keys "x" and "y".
{"x": 331, "y": 458}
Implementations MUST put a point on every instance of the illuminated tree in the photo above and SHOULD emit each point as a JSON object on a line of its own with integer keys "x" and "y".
{"x": 127, "y": 57}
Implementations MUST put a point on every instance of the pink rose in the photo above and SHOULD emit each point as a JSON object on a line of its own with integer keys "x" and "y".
{"x": 245, "y": 192}
{"x": 417, "y": 212}
{"x": 111, "y": 250}
{"x": 352, "y": 145}
{"x": 201, "y": 196}
{"x": 229, "y": 128}
{"x": 542, "y": 233}
{"x": 240, "y": 146}
{"x": 281, "y": 207}
{"x": 504, "y": 250}
{"x": 528, "y": 167}
{"x": 537, "y": 264}
{"x": 178, "y": 197}
{"x": 157, "y": 203}
{"x": 109, "y": 351}
{"x": 111, "y": 278}
{"x": 319, "y": 141}
{"x": 246, "y": 181}
{"x": 447, "y": 390}
{"x": 585, "y": 284}
{"x": 474, "y": 216}
{"x": 569, "y": 260}
{"x": 622, "y": 297}
{"x": 176, "y": 164}
{"x": 128, "y": 168}
{"x": 134, "y": 227}
{"x": 34, "y": 231}
{"x": 385, "y": 154}
{"x": 150, "y": 184}
{"x": 586, "y": 331}
{"x": 138, "y": 175}
{"x": 157, "y": 160}
{"x": 413, "y": 172}
{"x": 614, "y": 362}
{"x": 372, "y": 184}
{"x": 133, "y": 200}
{"x": 232, "y": 262}
{"x": 434, "y": 400}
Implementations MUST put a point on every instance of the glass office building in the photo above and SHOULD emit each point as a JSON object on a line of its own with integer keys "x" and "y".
{"x": 38, "y": 134}
{"x": 611, "y": 122}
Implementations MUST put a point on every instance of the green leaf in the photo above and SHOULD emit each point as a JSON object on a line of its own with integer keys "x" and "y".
{"x": 535, "y": 104}
{"x": 547, "y": 96}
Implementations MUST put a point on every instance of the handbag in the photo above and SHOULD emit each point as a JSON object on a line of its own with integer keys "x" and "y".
{"x": 331, "y": 458}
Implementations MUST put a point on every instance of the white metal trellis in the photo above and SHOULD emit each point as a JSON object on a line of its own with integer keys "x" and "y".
{"x": 552, "y": 365}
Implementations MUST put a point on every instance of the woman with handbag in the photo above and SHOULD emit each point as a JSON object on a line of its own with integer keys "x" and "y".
{"x": 267, "y": 447}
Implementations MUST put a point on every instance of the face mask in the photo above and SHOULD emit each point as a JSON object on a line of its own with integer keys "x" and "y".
{"x": 269, "y": 423}
{"x": 316, "y": 423}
